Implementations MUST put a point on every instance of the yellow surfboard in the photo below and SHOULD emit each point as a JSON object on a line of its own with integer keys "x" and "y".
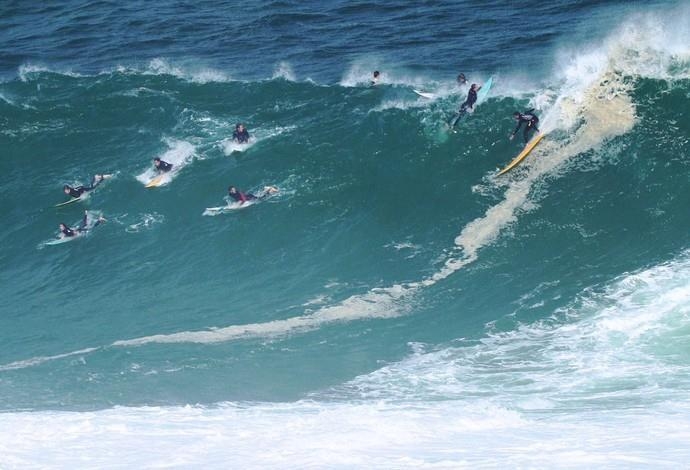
{"x": 528, "y": 148}
{"x": 157, "y": 181}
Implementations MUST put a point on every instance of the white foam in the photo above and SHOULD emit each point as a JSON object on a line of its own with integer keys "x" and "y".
{"x": 186, "y": 71}
{"x": 229, "y": 146}
{"x": 305, "y": 434}
{"x": 180, "y": 153}
{"x": 284, "y": 70}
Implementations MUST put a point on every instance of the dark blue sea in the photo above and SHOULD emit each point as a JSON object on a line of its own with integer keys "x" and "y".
{"x": 396, "y": 304}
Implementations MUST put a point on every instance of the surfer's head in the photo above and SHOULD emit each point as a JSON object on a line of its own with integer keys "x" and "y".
{"x": 67, "y": 188}
{"x": 232, "y": 189}
{"x": 376, "y": 74}
{"x": 63, "y": 227}
{"x": 461, "y": 79}
{"x": 516, "y": 114}
{"x": 157, "y": 161}
{"x": 474, "y": 86}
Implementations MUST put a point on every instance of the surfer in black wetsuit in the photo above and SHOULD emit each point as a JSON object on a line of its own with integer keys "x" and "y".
{"x": 529, "y": 118}
{"x": 241, "y": 197}
{"x": 241, "y": 135}
{"x": 375, "y": 80}
{"x": 462, "y": 81}
{"x": 467, "y": 105}
{"x": 79, "y": 190}
{"x": 67, "y": 232}
{"x": 162, "y": 166}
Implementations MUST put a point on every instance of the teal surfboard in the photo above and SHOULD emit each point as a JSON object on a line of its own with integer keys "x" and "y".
{"x": 482, "y": 94}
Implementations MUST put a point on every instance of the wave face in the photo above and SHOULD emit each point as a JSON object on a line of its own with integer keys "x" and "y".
{"x": 395, "y": 304}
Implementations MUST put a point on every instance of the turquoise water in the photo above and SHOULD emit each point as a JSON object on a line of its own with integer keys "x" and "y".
{"x": 396, "y": 304}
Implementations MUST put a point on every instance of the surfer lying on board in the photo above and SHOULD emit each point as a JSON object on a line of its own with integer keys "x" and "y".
{"x": 468, "y": 104}
{"x": 241, "y": 135}
{"x": 527, "y": 117}
{"x": 79, "y": 190}
{"x": 241, "y": 197}
{"x": 162, "y": 166}
{"x": 67, "y": 232}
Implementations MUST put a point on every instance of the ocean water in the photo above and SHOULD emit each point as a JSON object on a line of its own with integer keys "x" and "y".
{"x": 396, "y": 304}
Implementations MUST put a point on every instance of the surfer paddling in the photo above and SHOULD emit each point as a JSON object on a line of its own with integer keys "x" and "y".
{"x": 161, "y": 166}
{"x": 241, "y": 135}
{"x": 528, "y": 118}
{"x": 79, "y": 190}
{"x": 241, "y": 197}
{"x": 68, "y": 232}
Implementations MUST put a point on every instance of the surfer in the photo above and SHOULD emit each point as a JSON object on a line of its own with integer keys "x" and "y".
{"x": 79, "y": 190}
{"x": 375, "y": 80}
{"x": 241, "y": 135}
{"x": 467, "y": 105}
{"x": 162, "y": 166}
{"x": 241, "y": 197}
{"x": 67, "y": 232}
{"x": 531, "y": 121}
{"x": 462, "y": 81}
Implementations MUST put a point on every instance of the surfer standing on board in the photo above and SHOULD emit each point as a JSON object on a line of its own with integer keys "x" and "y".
{"x": 162, "y": 166}
{"x": 467, "y": 105}
{"x": 527, "y": 117}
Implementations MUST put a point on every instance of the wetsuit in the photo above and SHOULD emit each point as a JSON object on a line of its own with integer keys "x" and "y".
{"x": 241, "y": 136}
{"x": 241, "y": 197}
{"x": 469, "y": 103}
{"x": 164, "y": 167}
{"x": 76, "y": 192}
{"x": 68, "y": 232}
{"x": 530, "y": 119}
{"x": 79, "y": 190}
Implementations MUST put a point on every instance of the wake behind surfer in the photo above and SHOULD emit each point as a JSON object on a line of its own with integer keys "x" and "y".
{"x": 241, "y": 135}
{"x": 529, "y": 119}
{"x": 162, "y": 166}
{"x": 467, "y": 105}
{"x": 241, "y": 197}
{"x": 79, "y": 190}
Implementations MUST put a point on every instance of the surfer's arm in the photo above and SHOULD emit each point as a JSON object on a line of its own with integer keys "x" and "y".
{"x": 517, "y": 128}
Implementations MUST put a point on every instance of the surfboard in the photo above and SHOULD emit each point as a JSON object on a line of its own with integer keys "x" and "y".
{"x": 425, "y": 94}
{"x": 74, "y": 199}
{"x": 526, "y": 151}
{"x": 157, "y": 181}
{"x": 212, "y": 211}
{"x": 484, "y": 91}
